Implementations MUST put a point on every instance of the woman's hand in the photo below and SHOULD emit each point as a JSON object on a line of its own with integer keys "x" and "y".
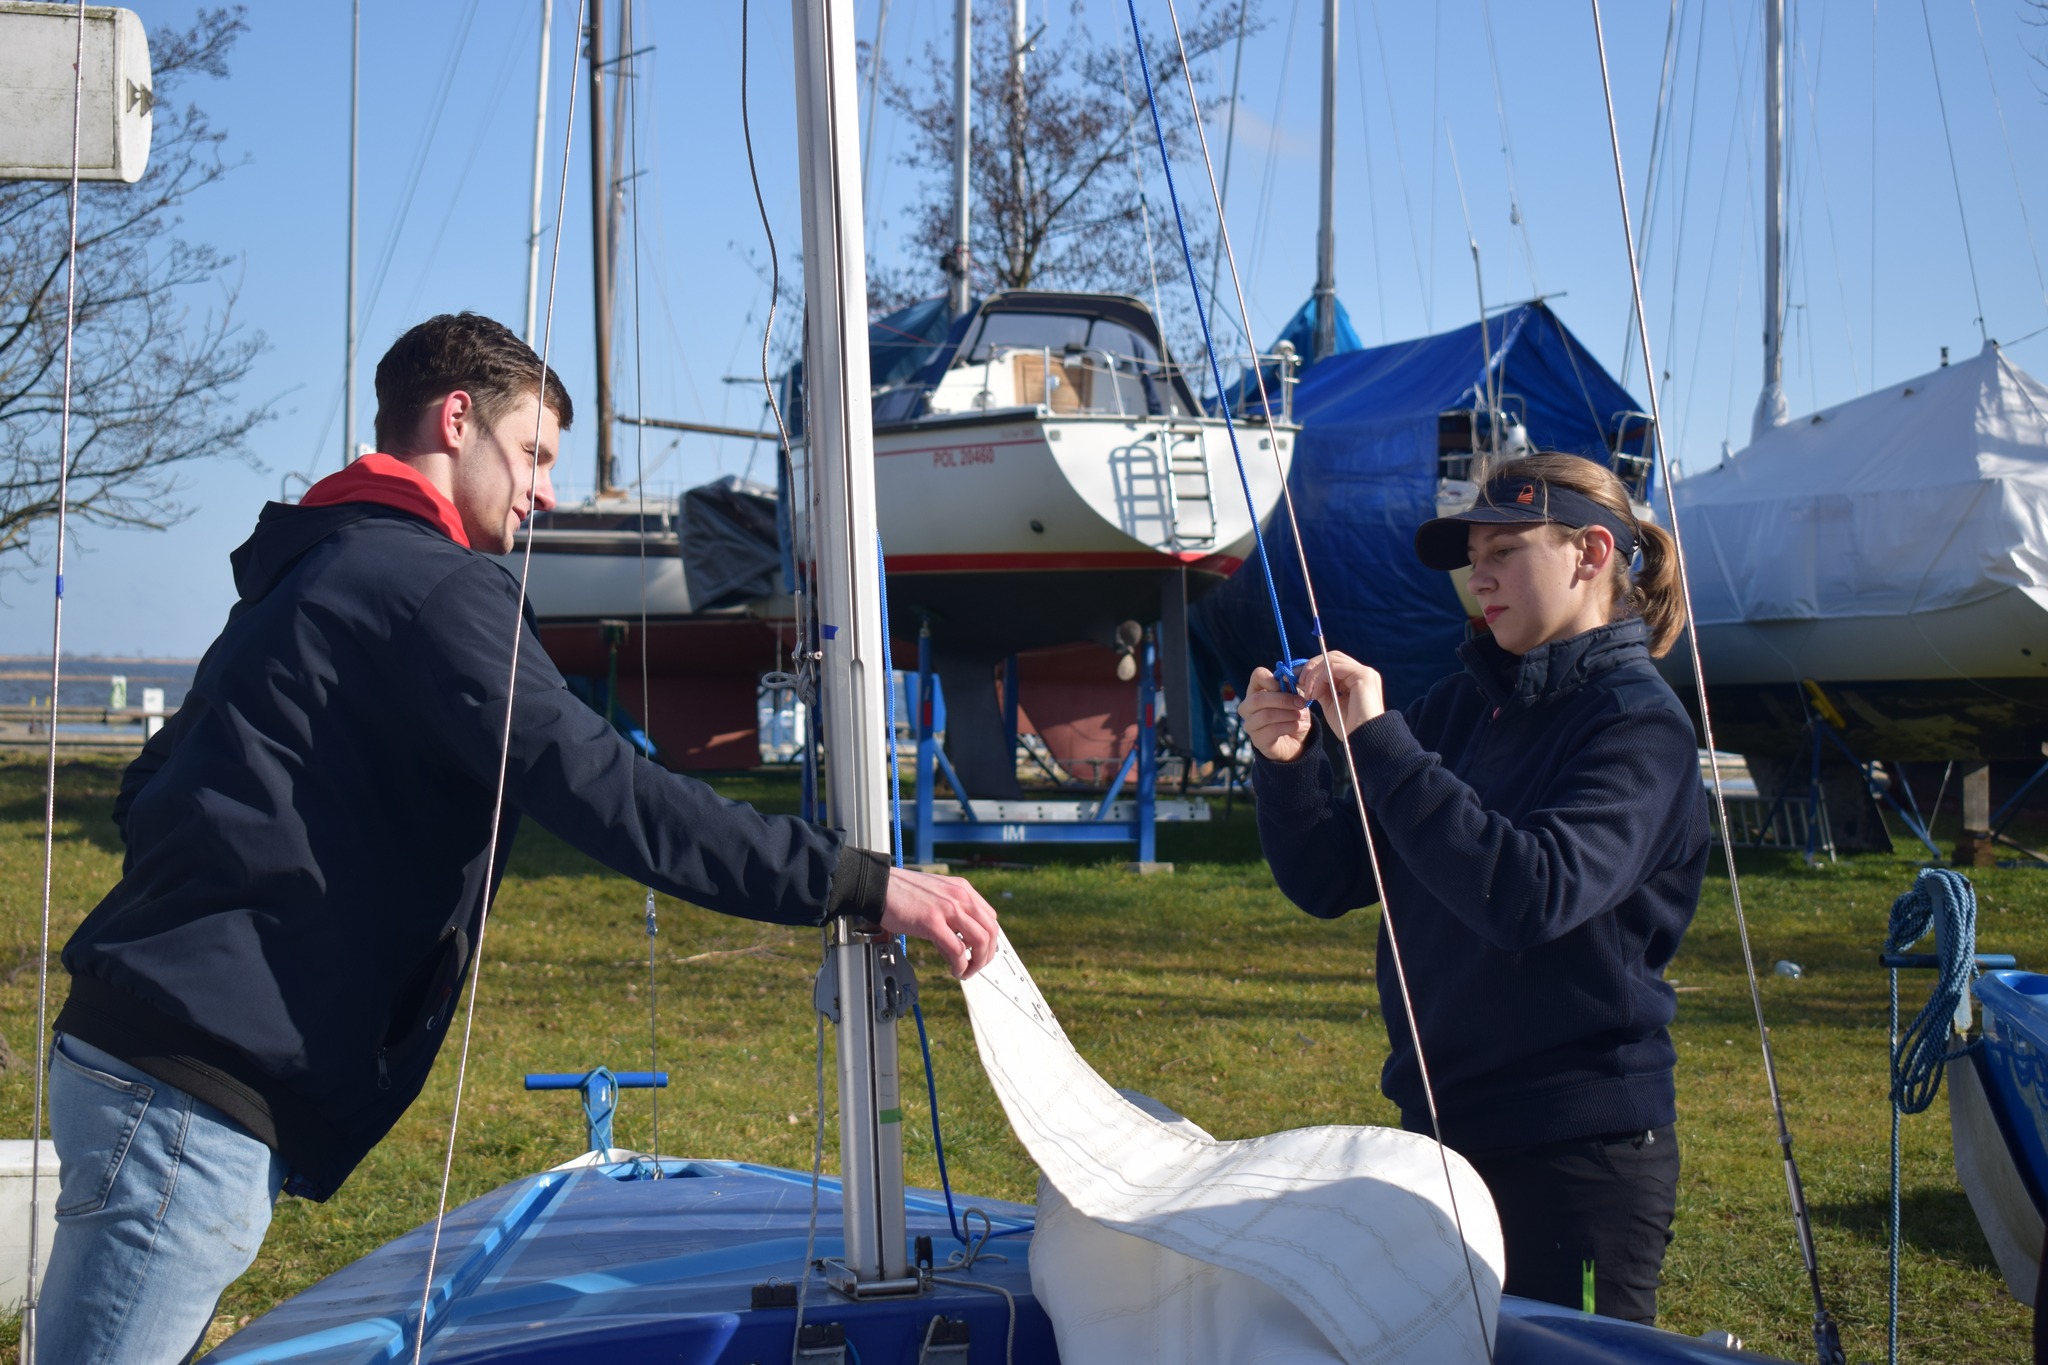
{"x": 1362, "y": 692}
{"x": 1277, "y": 723}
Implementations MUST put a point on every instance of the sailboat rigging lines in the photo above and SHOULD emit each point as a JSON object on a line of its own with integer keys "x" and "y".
{"x": 476, "y": 980}
{"x": 30, "y": 1303}
{"x": 1826, "y": 1337}
{"x": 1287, "y": 665}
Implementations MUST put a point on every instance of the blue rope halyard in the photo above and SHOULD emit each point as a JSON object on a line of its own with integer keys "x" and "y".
{"x": 1944, "y": 901}
{"x": 1288, "y": 667}
{"x": 924, "y": 1043}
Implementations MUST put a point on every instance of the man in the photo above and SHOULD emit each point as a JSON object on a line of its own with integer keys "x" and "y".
{"x": 263, "y": 994}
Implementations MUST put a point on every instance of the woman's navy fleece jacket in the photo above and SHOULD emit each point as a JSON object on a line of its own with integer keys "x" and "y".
{"x": 307, "y": 837}
{"x": 1542, "y": 835}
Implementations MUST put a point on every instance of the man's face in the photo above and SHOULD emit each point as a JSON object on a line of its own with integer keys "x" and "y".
{"x": 497, "y": 483}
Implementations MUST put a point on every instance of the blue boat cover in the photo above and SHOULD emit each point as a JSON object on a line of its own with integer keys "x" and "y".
{"x": 1365, "y": 476}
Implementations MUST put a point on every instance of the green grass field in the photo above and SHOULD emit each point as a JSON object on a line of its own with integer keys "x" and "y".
{"x": 1203, "y": 988}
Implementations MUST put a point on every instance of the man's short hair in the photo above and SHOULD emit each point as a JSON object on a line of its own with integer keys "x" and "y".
{"x": 466, "y": 351}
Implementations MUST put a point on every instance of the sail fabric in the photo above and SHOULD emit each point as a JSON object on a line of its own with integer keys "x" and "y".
{"x": 1365, "y": 475}
{"x": 1158, "y": 1243}
{"x": 1928, "y": 494}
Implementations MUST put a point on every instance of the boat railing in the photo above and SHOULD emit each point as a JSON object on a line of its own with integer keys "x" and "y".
{"x": 1471, "y": 441}
{"x": 1633, "y": 468}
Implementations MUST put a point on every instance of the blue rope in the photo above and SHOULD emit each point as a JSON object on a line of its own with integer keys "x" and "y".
{"x": 924, "y": 1044}
{"x": 1918, "y": 1058}
{"x": 1922, "y": 1052}
{"x": 1288, "y": 666}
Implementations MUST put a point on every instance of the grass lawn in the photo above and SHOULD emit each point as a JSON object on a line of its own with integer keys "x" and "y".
{"x": 1204, "y": 988}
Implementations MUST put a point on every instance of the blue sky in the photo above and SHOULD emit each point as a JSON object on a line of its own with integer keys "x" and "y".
{"x": 1879, "y": 280}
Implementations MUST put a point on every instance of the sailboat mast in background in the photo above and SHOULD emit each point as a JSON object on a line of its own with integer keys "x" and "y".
{"x": 540, "y": 137}
{"x": 1771, "y": 409}
{"x": 963, "y": 150}
{"x": 1326, "y": 223}
{"x": 600, "y": 249}
{"x": 355, "y": 100}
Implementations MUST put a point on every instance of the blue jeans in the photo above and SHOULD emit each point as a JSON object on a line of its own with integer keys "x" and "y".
{"x": 163, "y": 1203}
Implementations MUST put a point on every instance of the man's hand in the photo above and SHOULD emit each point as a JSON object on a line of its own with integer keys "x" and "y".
{"x": 1362, "y": 691}
{"x": 945, "y": 911}
{"x": 1277, "y": 723}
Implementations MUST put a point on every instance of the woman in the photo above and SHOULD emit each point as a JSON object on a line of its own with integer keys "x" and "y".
{"x": 1541, "y": 836}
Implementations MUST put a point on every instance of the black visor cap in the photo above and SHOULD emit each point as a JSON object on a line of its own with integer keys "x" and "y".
{"x": 1442, "y": 543}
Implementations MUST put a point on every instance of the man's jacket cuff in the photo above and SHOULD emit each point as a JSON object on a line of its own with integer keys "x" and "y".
{"x": 860, "y": 885}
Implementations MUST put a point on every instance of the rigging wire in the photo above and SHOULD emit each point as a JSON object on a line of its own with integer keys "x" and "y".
{"x": 1308, "y": 584}
{"x": 1692, "y": 125}
{"x": 421, "y": 155}
{"x": 1230, "y": 132}
{"x": 1138, "y": 175}
{"x": 1872, "y": 193}
{"x": 505, "y": 742}
{"x": 32, "y": 1301}
{"x": 1992, "y": 80}
{"x": 1735, "y": 131}
{"x": 1400, "y": 157}
{"x": 1436, "y": 80}
{"x": 629, "y": 71}
{"x": 1673, "y": 22}
{"x": 1955, "y": 172}
{"x": 1827, "y": 202}
{"x": 1272, "y": 138}
{"x": 1507, "y": 150}
{"x": 1826, "y": 1337}
{"x": 1372, "y": 202}
{"x": 802, "y": 651}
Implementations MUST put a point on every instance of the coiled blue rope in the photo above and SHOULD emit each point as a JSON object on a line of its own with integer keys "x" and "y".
{"x": 1288, "y": 666}
{"x": 1944, "y": 901}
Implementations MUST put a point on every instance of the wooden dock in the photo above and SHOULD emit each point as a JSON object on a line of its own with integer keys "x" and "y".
{"x": 86, "y": 729}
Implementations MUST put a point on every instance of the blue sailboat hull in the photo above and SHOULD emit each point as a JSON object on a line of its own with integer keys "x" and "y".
{"x": 2014, "y": 1066}
{"x": 603, "y": 1262}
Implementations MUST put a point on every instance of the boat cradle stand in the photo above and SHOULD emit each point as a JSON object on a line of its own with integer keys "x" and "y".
{"x": 960, "y": 819}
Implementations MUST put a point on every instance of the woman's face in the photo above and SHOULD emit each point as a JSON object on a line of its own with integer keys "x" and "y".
{"x": 1536, "y": 586}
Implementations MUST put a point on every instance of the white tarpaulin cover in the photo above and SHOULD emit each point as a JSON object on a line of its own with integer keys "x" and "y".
{"x": 1922, "y": 496}
{"x": 1162, "y": 1244}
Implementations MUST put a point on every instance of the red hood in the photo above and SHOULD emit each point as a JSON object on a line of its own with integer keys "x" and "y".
{"x": 389, "y": 482}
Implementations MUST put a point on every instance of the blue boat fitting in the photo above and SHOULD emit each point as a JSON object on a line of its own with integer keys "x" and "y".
{"x": 600, "y": 1087}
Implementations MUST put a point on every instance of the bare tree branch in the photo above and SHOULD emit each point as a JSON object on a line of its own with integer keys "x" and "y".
{"x": 1055, "y": 203}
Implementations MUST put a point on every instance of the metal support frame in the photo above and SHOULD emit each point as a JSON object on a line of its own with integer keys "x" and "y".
{"x": 1140, "y": 768}
{"x": 1820, "y": 729}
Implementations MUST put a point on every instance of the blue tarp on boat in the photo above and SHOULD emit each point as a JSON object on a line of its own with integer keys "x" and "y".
{"x": 1365, "y": 476}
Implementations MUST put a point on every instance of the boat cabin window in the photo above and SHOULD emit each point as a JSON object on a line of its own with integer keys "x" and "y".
{"x": 1071, "y": 363}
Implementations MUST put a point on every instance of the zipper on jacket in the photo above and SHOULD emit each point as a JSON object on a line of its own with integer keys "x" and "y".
{"x": 383, "y": 1072}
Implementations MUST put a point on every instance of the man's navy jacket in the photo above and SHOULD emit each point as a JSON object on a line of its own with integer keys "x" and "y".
{"x": 1542, "y": 835}
{"x": 307, "y": 836}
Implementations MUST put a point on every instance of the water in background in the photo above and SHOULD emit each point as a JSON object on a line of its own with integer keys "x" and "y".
{"x": 88, "y": 681}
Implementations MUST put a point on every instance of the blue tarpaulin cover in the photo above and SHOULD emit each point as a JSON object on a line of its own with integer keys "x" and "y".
{"x": 1365, "y": 476}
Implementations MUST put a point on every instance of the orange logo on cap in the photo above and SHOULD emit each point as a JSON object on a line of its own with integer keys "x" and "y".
{"x": 1527, "y": 495}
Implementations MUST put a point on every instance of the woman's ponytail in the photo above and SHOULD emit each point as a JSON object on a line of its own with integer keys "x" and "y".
{"x": 1654, "y": 593}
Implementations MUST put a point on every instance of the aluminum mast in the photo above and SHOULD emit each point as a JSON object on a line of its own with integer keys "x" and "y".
{"x": 1771, "y": 409}
{"x": 348, "y": 364}
{"x": 963, "y": 150}
{"x": 600, "y": 250}
{"x": 540, "y": 135}
{"x": 1326, "y": 227}
{"x": 865, "y": 983}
